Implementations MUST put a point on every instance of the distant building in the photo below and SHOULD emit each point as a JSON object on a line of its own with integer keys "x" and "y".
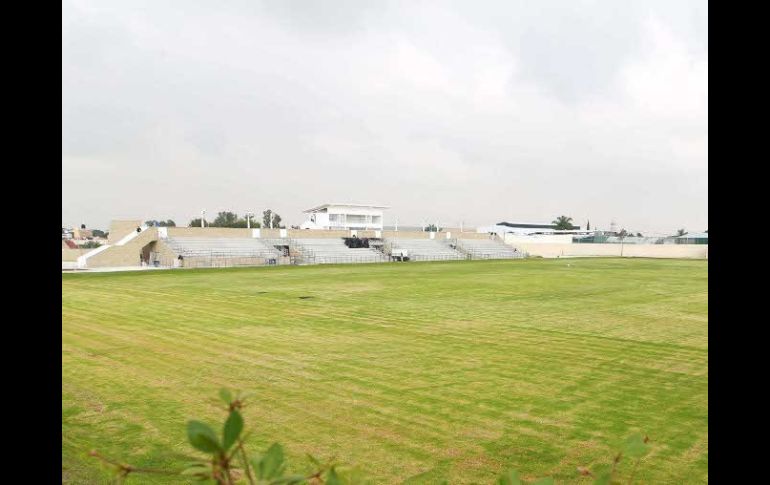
{"x": 693, "y": 238}
{"x": 527, "y": 228}
{"x": 79, "y": 233}
{"x": 345, "y": 216}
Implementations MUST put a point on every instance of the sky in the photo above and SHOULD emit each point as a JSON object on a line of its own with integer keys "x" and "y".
{"x": 446, "y": 111}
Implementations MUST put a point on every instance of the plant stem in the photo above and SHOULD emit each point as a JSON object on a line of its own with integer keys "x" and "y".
{"x": 245, "y": 462}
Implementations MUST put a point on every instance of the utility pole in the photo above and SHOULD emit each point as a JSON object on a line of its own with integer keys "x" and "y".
{"x": 203, "y": 217}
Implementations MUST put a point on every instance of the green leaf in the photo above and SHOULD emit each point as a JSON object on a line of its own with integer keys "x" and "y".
{"x": 636, "y": 447}
{"x": 202, "y": 437}
{"x": 233, "y": 428}
{"x": 226, "y": 396}
{"x": 272, "y": 463}
{"x": 511, "y": 477}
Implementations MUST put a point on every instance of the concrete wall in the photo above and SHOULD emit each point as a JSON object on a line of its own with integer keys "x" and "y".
{"x": 126, "y": 255}
{"x": 316, "y": 233}
{"x": 210, "y": 232}
{"x": 120, "y": 229}
{"x": 515, "y": 239}
{"x": 68, "y": 254}
{"x": 553, "y": 250}
{"x": 166, "y": 255}
{"x": 311, "y": 233}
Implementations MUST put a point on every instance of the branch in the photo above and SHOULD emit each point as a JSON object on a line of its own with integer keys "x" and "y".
{"x": 125, "y": 469}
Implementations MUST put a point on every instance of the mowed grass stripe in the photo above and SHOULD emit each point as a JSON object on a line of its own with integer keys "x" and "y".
{"x": 447, "y": 370}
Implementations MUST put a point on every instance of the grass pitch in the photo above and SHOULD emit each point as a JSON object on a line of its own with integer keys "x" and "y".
{"x": 415, "y": 372}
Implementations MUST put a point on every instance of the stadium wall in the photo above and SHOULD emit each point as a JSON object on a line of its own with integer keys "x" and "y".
{"x": 555, "y": 250}
{"x": 126, "y": 255}
{"x": 209, "y": 232}
{"x": 72, "y": 254}
{"x": 119, "y": 229}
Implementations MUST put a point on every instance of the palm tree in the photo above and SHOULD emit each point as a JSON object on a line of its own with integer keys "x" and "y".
{"x": 562, "y": 223}
{"x": 681, "y": 232}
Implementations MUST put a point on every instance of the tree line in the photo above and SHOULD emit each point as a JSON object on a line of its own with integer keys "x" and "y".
{"x": 231, "y": 219}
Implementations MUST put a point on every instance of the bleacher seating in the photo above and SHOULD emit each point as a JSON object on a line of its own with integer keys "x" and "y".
{"x": 426, "y": 249}
{"x": 488, "y": 249}
{"x": 222, "y": 247}
{"x": 334, "y": 250}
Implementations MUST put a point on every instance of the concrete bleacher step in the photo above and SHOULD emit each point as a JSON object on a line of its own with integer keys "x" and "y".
{"x": 334, "y": 250}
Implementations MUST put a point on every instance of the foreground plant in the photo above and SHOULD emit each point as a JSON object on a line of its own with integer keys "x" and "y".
{"x": 227, "y": 462}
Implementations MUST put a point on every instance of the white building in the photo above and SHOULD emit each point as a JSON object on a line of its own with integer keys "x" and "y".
{"x": 344, "y": 216}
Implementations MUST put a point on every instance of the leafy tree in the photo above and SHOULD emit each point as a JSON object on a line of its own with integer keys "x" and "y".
{"x": 98, "y": 233}
{"x": 195, "y": 222}
{"x": 154, "y": 223}
{"x": 639, "y": 234}
{"x": 623, "y": 233}
{"x": 433, "y": 228}
{"x": 225, "y": 219}
{"x": 90, "y": 245}
{"x": 563, "y": 223}
{"x": 82, "y": 226}
{"x": 266, "y": 215}
{"x": 681, "y": 232}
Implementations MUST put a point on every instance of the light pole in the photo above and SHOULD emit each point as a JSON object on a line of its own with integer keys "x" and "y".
{"x": 203, "y": 217}
{"x": 248, "y": 219}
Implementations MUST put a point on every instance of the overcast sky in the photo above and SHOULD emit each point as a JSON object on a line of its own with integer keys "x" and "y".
{"x": 474, "y": 111}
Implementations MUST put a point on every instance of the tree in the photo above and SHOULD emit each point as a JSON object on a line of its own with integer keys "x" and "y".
{"x": 82, "y": 226}
{"x": 225, "y": 219}
{"x": 98, "y": 233}
{"x": 563, "y": 223}
{"x": 639, "y": 234}
{"x": 681, "y": 232}
{"x": 623, "y": 233}
{"x": 195, "y": 222}
{"x": 266, "y": 215}
{"x": 588, "y": 226}
{"x": 433, "y": 228}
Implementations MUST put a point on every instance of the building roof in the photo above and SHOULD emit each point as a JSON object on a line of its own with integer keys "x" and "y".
{"x": 694, "y": 235}
{"x": 363, "y": 206}
{"x": 527, "y": 225}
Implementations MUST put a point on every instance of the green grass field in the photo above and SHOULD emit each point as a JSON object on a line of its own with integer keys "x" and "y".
{"x": 416, "y": 372}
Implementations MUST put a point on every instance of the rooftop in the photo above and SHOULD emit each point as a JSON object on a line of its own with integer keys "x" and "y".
{"x": 344, "y": 204}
